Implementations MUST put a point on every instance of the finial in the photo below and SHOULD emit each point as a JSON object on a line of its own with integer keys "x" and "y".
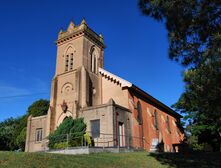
{"x": 71, "y": 26}
{"x": 101, "y": 36}
{"x": 83, "y": 21}
{"x": 61, "y": 31}
{"x": 83, "y": 24}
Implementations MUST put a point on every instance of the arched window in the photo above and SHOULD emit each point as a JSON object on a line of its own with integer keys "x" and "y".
{"x": 94, "y": 56}
{"x": 69, "y": 59}
{"x": 155, "y": 119}
{"x": 168, "y": 124}
{"x": 139, "y": 112}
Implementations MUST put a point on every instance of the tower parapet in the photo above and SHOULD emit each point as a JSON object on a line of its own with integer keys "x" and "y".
{"x": 74, "y": 31}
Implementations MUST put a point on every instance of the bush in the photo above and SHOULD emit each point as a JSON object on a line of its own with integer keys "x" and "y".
{"x": 60, "y": 145}
{"x": 74, "y": 128}
{"x": 38, "y": 108}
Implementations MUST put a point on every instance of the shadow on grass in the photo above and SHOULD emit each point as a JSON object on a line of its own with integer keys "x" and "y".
{"x": 195, "y": 159}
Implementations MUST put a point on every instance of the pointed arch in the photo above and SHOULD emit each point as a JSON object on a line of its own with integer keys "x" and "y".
{"x": 69, "y": 57}
{"x": 63, "y": 116}
{"x": 69, "y": 49}
{"x": 94, "y": 59}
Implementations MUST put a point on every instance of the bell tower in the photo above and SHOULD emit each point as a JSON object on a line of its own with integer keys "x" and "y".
{"x": 76, "y": 83}
{"x": 79, "y": 46}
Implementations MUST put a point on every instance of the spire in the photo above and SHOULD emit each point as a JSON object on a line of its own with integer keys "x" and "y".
{"x": 71, "y": 26}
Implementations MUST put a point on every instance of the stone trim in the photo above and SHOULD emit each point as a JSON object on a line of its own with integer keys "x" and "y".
{"x": 39, "y": 117}
{"x": 104, "y": 105}
{"x": 79, "y": 30}
{"x": 107, "y": 74}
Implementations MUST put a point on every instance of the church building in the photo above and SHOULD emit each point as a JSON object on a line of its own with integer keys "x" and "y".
{"x": 117, "y": 113}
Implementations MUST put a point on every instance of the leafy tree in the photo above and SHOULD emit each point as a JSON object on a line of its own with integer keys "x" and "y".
{"x": 19, "y": 135}
{"x": 7, "y": 130}
{"x": 13, "y": 130}
{"x": 20, "y": 139}
{"x": 193, "y": 27}
{"x": 201, "y": 102}
{"x": 38, "y": 108}
{"x": 194, "y": 33}
{"x": 75, "y": 128}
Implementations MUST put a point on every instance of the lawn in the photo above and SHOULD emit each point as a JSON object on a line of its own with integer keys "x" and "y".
{"x": 109, "y": 160}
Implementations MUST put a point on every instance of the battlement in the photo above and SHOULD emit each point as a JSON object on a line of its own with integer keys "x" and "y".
{"x": 79, "y": 30}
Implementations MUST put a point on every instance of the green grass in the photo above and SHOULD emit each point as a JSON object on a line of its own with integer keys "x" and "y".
{"x": 109, "y": 160}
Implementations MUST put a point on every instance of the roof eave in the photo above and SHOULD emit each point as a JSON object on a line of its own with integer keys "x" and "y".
{"x": 154, "y": 100}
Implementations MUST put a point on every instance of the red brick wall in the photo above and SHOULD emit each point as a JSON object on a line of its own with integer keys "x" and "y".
{"x": 147, "y": 128}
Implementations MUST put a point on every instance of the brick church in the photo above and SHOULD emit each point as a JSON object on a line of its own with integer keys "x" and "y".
{"x": 110, "y": 105}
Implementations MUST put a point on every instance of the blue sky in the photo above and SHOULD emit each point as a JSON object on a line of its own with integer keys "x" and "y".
{"x": 137, "y": 48}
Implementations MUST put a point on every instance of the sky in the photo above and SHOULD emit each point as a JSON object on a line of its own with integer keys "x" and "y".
{"x": 136, "y": 48}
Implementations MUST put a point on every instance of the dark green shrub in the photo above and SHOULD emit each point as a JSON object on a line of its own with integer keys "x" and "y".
{"x": 71, "y": 130}
{"x": 60, "y": 145}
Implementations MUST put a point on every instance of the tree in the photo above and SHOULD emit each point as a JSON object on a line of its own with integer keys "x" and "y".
{"x": 194, "y": 33}
{"x": 193, "y": 27}
{"x": 7, "y": 130}
{"x": 20, "y": 139}
{"x": 13, "y": 130}
{"x": 201, "y": 102}
{"x": 38, "y": 108}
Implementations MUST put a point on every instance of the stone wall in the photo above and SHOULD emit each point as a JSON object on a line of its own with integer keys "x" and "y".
{"x": 109, "y": 115}
{"x": 34, "y": 123}
{"x": 113, "y": 90}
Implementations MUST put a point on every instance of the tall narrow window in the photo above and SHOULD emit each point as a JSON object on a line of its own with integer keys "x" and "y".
{"x": 168, "y": 124}
{"x": 155, "y": 119}
{"x": 66, "y": 62}
{"x": 95, "y": 64}
{"x": 71, "y": 61}
{"x": 93, "y": 60}
{"x": 139, "y": 113}
{"x": 38, "y": 135}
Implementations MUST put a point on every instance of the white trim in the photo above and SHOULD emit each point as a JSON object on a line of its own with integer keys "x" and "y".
{"x": 117, "y": 78}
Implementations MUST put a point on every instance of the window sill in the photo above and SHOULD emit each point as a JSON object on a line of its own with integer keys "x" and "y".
{"x": 38, "y": 142}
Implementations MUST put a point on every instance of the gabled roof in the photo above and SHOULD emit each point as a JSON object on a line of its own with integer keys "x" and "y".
{"x": 125, "y": 83}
